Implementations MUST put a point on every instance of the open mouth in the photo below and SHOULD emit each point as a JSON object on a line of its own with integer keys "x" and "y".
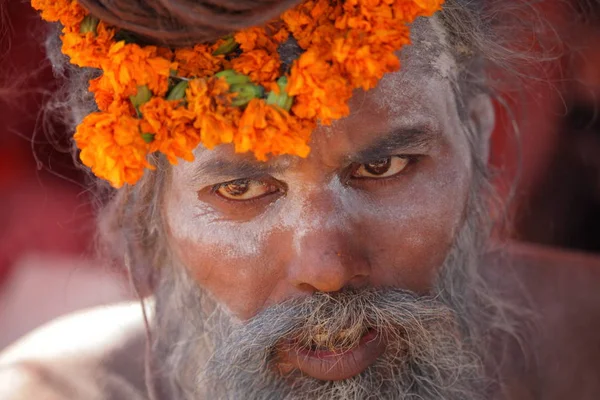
{"x": 335, "y": 362}
{"x": 343, "y": 341}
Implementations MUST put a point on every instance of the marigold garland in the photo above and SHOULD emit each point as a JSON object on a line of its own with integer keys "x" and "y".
{"x": 153, "y": 99}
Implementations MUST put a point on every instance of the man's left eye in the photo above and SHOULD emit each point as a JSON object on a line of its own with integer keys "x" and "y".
{"x": 244, "y": 189}
{"x": 383, "y": 168}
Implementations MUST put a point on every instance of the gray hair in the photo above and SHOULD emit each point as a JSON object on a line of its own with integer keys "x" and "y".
{"x": 130, "y": 218}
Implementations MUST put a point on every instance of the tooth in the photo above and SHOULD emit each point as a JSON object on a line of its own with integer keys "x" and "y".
{"x": 321, "y": 339}
{"x": 347, "y": 334}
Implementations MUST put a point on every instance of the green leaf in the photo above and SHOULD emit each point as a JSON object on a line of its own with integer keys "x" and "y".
{"x": 246, "y": 92}
{"x": 282, "y": 82}
{"x": 142, "y": 96}
{"x": 233, "y": 77}
{"x": 148, "y": 137}
{"x": 178, "y": 91}
{"x": 89, "y": 24}
{"x": 281, "y": 99}
{"x": 227, "y": 47}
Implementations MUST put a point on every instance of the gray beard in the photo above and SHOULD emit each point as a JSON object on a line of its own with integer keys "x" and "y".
{"x": 201, "y": 352}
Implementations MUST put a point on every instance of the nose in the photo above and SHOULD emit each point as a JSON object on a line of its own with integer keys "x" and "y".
{"x": 327, "y": 252}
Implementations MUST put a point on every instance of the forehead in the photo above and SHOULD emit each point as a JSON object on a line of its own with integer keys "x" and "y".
{"x": 425, "y": 78}
{"x": 429, "y": 52}
{"x": 418, "y": 96}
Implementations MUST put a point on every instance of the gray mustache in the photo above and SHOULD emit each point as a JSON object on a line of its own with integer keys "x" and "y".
{"x": 336, "y": 320}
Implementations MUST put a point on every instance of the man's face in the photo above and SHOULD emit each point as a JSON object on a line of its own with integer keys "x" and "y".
{"x": 377, "y": 205}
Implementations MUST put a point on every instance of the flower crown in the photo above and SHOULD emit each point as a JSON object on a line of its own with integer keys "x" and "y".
{"x": 156, "y": 99}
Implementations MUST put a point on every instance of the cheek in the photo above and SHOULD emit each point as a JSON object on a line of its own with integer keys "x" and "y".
{"x": 412, "y": 229}
{"x": 405, "y": 232}
{"x": 226, "y": 259}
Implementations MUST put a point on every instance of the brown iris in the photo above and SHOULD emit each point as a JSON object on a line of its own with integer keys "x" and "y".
{"x": 236, "y": 188}
{"x": 379, "y": 167}
{"x": 245, "y": 189}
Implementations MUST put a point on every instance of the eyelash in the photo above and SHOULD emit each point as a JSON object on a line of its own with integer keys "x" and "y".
{"x": 412, "y": 160}
{"x": 282, "y": 188}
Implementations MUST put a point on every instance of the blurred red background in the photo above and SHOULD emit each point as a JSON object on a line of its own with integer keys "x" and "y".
{"x": 47, "y": 223}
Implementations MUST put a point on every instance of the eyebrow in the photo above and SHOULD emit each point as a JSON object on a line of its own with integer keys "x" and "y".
{"x": 399, "y": 139}
{"x": 224, "y": 168}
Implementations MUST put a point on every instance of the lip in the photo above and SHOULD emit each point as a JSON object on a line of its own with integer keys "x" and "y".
{"x": 329, "y": 365}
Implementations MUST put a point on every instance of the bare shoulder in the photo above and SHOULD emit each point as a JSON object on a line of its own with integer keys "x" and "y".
{"x": 547, "y": 275}
{"x": 561, "y": 292}
{"x": 28, "y": 380}
{"x": 92, "y": 354}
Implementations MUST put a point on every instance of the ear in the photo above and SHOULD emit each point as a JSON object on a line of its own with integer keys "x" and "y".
{"x": 482, "y": 118}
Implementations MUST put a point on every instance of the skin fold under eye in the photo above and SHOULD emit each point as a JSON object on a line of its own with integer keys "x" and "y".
{"x": 244, "y": 189}
{"x": 383, "y": 168}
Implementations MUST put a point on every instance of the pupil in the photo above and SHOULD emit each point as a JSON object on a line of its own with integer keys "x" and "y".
{"x": 379, "y": 167}
{"x": 237, "y": 188}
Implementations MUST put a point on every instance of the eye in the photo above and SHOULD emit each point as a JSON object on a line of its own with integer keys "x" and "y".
{"x": 383, "y": 168}
{"x": 244, "y": 189}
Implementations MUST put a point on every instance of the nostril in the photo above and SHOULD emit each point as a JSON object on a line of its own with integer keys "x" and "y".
{"x": 358, "y": 281}
{"x": 307, "y": 288}
{"x": 327, "y": 261}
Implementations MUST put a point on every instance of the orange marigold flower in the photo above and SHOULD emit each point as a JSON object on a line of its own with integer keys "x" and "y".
{"x": 256, "y": 38}
{"x": 363, "y": 65}
{"x": 165, "y": 52}
{"x": 268, "y": 131}
{"x": 281, "y": 35}
{"x": 324, "y": 36}
{"x": 198, "y": 62}
{"x": 88, "y": 50}
{"x": 172, "y": 127}
{"x": 319, "y": 88}
{"x": 378, "y": 20}
{"x": 390, "y": 39}
{"x": 67, "y": 12}
{"x": 128, "y": 66}
{"x": 303, "y": 19}
{"x": 349, "y": 44}
{"x": 262, "y": 67}
{"x": 112, "y": 146}
{"x": 209, "y": 100}
{"x": 102, "y": 94}
{"x": 409, "y": 10}
{"x": 107, "y": 100}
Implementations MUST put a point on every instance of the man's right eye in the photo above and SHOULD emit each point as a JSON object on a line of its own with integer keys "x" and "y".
{"x": 244, "y": 189}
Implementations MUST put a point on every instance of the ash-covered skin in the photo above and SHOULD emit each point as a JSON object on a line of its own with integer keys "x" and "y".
{"x": 323, "y": 232}
{"x": 250, "y": 277}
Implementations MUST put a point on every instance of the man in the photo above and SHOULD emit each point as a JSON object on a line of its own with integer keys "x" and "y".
{"x": 361, "y": 271}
